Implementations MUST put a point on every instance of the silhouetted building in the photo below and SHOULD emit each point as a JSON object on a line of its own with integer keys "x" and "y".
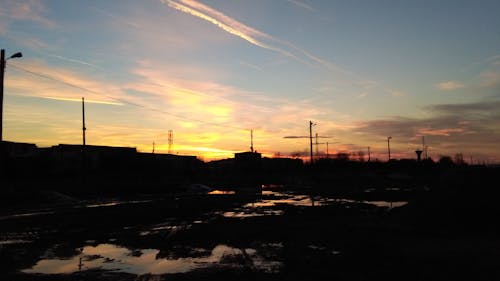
{"x": 69, "y": 156}
{"x": 171, "y": 161}
{"x": 248, "y": 160}
{"x": 18, "y": 149}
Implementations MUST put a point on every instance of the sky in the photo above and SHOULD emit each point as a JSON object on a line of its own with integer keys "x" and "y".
{"x": 212, "y": 71}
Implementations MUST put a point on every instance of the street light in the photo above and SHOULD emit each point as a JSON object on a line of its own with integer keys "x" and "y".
{"x": 3, "y": 62}
{"x": 389, "y": 147}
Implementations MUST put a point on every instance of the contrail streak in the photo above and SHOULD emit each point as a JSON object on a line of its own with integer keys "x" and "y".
{"x": 74, "y": 60}
{"x": 228, "y": 24}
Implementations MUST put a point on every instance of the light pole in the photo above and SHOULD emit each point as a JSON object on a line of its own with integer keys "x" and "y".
{"x": 389, "y": 147}
{"x": 3, "y": 62}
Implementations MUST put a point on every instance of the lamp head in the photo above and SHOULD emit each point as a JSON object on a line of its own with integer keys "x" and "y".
{"x": 16, "y": 55}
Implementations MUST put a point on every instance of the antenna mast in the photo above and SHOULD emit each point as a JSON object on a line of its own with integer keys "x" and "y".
{"x": 251, "y": 140}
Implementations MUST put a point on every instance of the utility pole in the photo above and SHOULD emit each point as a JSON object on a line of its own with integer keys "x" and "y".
{"x": 153, "y": 147}
{"x": 2, "y": 70}
{"x": 3, "y": 62}
{"x": 83, "y": 121}
{"x": 327, "y": 155}
{"x": 84, "y": 144}
{"x": 389, "y": 147}
{"x": 369, "y": 157}
{"x": 311, "y": 124}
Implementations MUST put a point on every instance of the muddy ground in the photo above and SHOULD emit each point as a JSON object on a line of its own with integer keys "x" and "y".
{"x": 441, "y": 234}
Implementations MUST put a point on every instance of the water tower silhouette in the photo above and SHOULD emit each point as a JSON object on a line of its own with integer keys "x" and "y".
{"x": 419, "y": 154}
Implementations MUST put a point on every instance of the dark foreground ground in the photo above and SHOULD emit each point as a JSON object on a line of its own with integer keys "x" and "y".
{"x": 448, "y": 231}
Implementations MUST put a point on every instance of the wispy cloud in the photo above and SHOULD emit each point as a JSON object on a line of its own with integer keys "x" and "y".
{"x": 495, "y": 60}
{"x": 118, "y": 20}
{"x": 26, "y": 10}
{"x": 449, "y": 85}
{"x": 250, "y": 65}
{"x": 490, "y": 79}
{"x": 440, "y": 132}
{"x": 74, "y": 61}
{"x": 80, "y": 100}
{"x": 302, "y": 5}
{"x": 266, "y": 41}
{"x": 43, "y": 81}
{"x": 245, "y": 32}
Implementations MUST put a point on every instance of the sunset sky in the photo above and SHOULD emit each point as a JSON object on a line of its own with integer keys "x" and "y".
{"x": 213, "y": 70}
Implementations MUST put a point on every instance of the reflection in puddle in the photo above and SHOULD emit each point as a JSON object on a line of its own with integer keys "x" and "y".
{"x": 381, "y": 204}
{"x": 218, "y": 192}
{"x": 27, "y": 215}
{"x": 273, "y": 199}
{"x": 277, "y": 198}
{"x": 243, "y": 213}
{"x": 14, "y": 241}
{"x": 116, "y": 258}
{"x": 114, "y": 203}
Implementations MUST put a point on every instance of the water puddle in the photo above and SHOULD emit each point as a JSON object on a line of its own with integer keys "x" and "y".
{"x": 113, "y": 203}
{"x": 222, "y": 192}
{"x": 23, "y": 215}
{"x": 271, "y": 201}
{"x": 245, "y": 213}
{"x": 380, "y": 204}
{"x": 14, "y": 241}
{"x": 152, "y": 261}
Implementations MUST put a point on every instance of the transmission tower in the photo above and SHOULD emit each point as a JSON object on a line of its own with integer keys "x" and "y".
{"x": 170, "y": 141}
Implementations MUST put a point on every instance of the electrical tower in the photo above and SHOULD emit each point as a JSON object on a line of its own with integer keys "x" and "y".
{"x": 170, "y": 141}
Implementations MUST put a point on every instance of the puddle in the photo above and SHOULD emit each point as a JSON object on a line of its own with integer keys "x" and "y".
{"x": 14, "y": 241}
{"x": 27, "y": 215}
{"x": 113, "y": 203}
{"x": 381, "y": 204}
{"x": 271, "y": 200}
{"x": 219, "y": 192}
{"x": 148, "y": 261}
{"x": 241, "y": 213}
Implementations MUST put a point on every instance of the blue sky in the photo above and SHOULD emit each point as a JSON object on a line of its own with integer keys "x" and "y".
{"x": 211, "y": 71}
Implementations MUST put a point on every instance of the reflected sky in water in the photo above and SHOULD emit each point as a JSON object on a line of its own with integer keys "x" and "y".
{"x": 145, "y": 261}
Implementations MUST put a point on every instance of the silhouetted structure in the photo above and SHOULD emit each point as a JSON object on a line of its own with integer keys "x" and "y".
{"x": 3, "y": 63}
{"x": 419, "y": 154}
{"x": 248, "y": 160}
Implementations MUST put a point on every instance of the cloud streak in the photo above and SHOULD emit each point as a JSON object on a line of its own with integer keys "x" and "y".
{"x": 31, "y": 10}
{"x": 246, "y": 32}
{"x": 79, "y": 100}
{"x": 449, "y": 85}
{"x": 302, "y": 5}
